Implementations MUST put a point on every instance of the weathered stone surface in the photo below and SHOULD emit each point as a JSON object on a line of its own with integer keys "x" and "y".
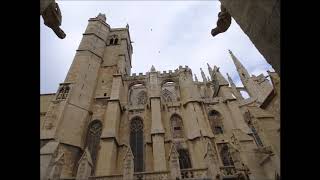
{"x": 175, "y": 134}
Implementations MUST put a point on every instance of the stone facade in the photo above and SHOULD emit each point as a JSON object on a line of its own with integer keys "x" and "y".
{"x": 106, "y": 123}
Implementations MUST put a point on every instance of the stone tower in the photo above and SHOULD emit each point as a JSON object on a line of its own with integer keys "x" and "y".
{"x": 106, "y": 123}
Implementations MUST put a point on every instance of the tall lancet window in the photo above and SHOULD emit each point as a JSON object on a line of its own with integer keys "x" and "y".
{"x": 93, "y": 139}
{"x": 225, "y": 155}
{"x": 215, "y": 120}
{"x": 184, "y": 159}
{"x": 136, "y": 143}
{"x": 177, "y": 127}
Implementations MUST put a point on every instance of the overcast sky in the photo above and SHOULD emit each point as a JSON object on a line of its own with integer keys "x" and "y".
{"x": 180, "y": 35}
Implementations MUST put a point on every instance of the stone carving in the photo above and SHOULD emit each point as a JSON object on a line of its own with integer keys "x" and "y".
{"x": 84, "y": 166}
{"x": 128, "y": 164}
{"x": 174, "y": 165}
{"x": 52, "y": 18}
{"x": 223, "y": 23}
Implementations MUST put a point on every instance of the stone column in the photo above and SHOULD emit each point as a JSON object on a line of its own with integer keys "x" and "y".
{"x": 157, "y": 130}
{"x": 109, "y": 138}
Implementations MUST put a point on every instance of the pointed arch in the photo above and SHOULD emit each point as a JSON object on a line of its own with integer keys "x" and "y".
{"x": 216, "y": 122}
{"x": 93, "y": 140}
{"x": 184, "y": 159}
{"x": 225, "y": 155}
{"x": 176, "y": 126}
{"x": 136, "y": 143}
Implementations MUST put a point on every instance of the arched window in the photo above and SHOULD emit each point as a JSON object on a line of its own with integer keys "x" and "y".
{"x": 177, "y": 127}
{"x": 60, "y": 93}
{"x": 93, "y": 139}
{"x": 136, "y": 143}
{"x": 184, "y": 159}
{"x": 66, "y": 92}
{"x": 111, "y": 41}
{"x": 215, "y": 120}
{"x": 142, "y": 97}
{"x": 167, "y": 95}
{"x": 137, "y": 94}
{"x": 225, "y": 155}
{"x": 116, "y": 41}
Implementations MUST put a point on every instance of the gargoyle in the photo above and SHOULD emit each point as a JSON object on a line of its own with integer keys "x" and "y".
{"x": 52, "y": 18}
{"x": 223, "y": 23}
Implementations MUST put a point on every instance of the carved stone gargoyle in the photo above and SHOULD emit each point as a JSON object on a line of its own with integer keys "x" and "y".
{"x": 51, "y": 15}
{"x": 223, "y": 23}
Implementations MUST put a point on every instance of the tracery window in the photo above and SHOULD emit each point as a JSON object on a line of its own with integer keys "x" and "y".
{"x": 216, "y": 123}
{"x": 177, "y": 127}
{"x": 113, "y": 40}
{"x": 225, "y": 155}
{"x": 63, "y": 92}
{"x": 169, "y": 91}
{"x": 93, "y": 139}
{"x": 184, "y": 159}
{"x": 142, "y": 97}
{"x": 136, "y": 143}
{"x": 167, "y": 95}
{"x": 137, "y": 94}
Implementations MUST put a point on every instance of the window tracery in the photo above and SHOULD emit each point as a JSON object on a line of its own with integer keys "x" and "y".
{"x": 136, "y": 143}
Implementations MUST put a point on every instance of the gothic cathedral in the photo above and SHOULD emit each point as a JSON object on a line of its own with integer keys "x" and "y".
{"x": 106, "y": 123}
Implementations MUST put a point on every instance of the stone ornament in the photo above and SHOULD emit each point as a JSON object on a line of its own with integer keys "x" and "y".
{"x": 52, "y": 18}
{"x": 223, "y": 23}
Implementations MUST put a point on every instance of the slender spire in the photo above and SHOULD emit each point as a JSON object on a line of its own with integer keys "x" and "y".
{"x": 195, "y": 77}
{"x": 242, "y": 71}
{"x": 218, "y": 77}
{"x": 203, "y": 76}
{"x": 234, "y": 89}
{"x": 210, "y": 70}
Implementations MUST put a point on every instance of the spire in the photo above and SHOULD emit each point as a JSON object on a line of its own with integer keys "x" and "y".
{"x": 203, "y": 76}
{"x": 210, "y": 70}
{"x": 127, "y": 26}
{"x": 102, "y": 17}
{"x": 230, "y": 80}
{"x": 195, "y": 77}
{"x": 152, "y": 69}
{"x": 217, "y": 77}
{"x": 242, "y": 71}
{"x": 234, "y": 89}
